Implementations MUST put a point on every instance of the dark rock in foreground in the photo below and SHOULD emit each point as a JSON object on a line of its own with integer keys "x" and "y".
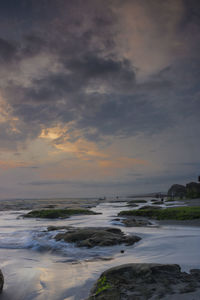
{"x": 1, "y": 281}
{"x": 58, "y": 213}
{"x": 145, "y": 281}
{"x": 91, "y": 237}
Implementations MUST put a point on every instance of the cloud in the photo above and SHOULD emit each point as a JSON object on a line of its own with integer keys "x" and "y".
{"x": 7, "y": 51}
{"x": 71, "y": 68}
{"x": 5, "y": 165}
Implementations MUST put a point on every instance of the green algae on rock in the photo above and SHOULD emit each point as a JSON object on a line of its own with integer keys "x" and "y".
{"x": 102, "y": 285}
{"x": 58, "y": 213}
{"x": 171, "y": 213}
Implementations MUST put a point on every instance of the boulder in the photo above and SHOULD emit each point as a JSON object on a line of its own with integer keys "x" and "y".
{"x": 177, "y": 190}
{"x": 91, "y": 237}
{"x": 193, "y": 190}
{"x": 145, "y": 281}
{"x": 1, "y": 281}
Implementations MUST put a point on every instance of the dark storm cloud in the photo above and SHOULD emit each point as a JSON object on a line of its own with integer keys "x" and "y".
{"x": 12, "y": 53}
{"x": 124, "y": 115}
{"x": 7, "y": 51}
{"x": 192, "y": 8}
{"x": 91, "y": 83}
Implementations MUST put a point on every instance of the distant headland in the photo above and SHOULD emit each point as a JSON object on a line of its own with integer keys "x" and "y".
{"x": 190, "y": 190}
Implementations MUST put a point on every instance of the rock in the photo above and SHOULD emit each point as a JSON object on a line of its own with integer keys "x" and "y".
{"x": 58, "y": 213}
{"x": 132, "y": 222}
{"x": 172, "y": 213}
{"x": 137, "y": 201}
{"x": 132, "y": 204}
{"x": 144, "y": 281}
{"x": 177, "y": 190}
{"x": 154, "y": 200}
{"x": 158, "y": 202}
{"x": 50, "y": 206}
{"x": 1, "y": 281}
{"x": 91, "y": 237}
{"x": 149, "y": 207}
{"x": 193, "y": 190}
{"x": 53, "y": 228}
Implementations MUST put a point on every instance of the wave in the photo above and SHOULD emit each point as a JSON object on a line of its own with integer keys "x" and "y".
{"x": 43, "y": 241}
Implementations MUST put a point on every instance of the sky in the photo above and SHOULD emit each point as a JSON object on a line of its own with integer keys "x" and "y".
{"x": 98, "y": 97}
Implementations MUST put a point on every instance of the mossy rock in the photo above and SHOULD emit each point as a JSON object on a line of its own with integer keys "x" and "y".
{"x": 145, "y": 281}
{"x": 58, "y": 213}
{"x": 137, "y": 201}
{"x": 171, "y": 213}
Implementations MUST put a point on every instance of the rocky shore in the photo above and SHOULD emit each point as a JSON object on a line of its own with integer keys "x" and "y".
{"x": 145, "y": 282}
{"x": 74, "y": 237}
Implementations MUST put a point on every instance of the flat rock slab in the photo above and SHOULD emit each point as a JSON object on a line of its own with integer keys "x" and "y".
{"x": 144, "y": 282}
{"x": 91, "y": 237}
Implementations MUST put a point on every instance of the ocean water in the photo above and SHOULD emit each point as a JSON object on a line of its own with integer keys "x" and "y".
{"x": 35, "y": 266}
